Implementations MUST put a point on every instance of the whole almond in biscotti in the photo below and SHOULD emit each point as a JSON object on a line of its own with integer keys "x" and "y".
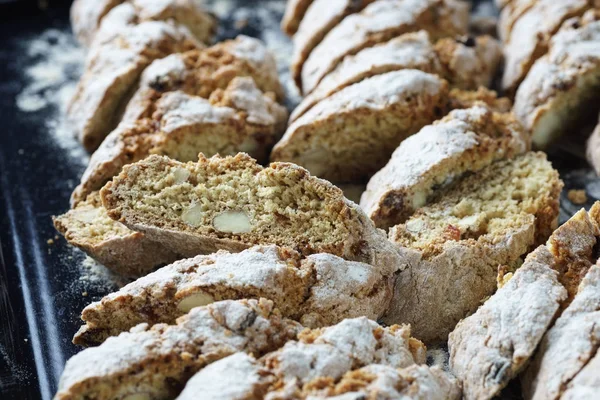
{"x": 492, "y": 346}
{"x": 320, "y": 290}
{"x": 293, "y": 15}
{"x": 530, "y": 34}
{"x": 454, "y": 245}
{"x": 379, "y": 22}
{"x": 463, "y": 141}
{"x": 123, "y": 251}
{"x": 154, "y": 363}
{"x": 232, "y": 203}
{"x": 560, "y": 92}
{"x": 237, "y": 118}
{"x": 112, "y": 70}
{"x": 87, "y": 15}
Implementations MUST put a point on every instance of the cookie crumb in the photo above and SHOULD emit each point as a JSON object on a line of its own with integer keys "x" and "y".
{"x": 50, "y": 242}
{"x": 577, "y": 196}
{"x": 84, "y": 294}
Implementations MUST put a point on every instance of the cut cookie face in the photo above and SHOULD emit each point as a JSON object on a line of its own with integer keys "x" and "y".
{"x": 319, "y": 290}
{"x": 530, "y": 34}
{"x": 466, "y": 65}
{"x": 155, "y": 363}
{"x": 232, "y": 203}
{"x": 561, "y": 89}
{"x": 458, "y": 241}
{"x": 492, "y": 346}
{"x": 112, "y": 70}
{"x": 464, "y": 141}
{"x": 379, "y": 22}
{"x": 123, "y": 251}
{"x": 86, "y": 16}
{"x": 237, "y": 118}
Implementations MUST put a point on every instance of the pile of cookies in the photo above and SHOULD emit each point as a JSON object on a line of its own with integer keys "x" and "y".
{"x": 254, "y": 280}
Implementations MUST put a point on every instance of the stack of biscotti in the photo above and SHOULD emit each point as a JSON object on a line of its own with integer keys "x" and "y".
{"x": 542, "y": 325}
{"x": 269, "y": 354}
{"x": 222, "y": 99}
{"x": 374, "y": 73}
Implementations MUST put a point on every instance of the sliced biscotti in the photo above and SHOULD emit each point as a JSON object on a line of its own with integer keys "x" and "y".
{"x": 238, "y": 118}
{"x": 561, "y": 89}
{"x": 530, "y": 34}
{"x": 86, "y": 16}
{"x": 201, "y": 72}
{"x": 319, "y": 290}
{"x": 467, "y": 65}
{"x": 379, "y": 22}
{"x": 156, "y": 362}
{"x": 320, "y": 18}
{"x": 492, "y": 346}
{"x": 463, "y": 141}
{"x": 293, "y": 15}
{"x": 454, "y": 245}
{"x": 232, "y": 203}
{"x": 112, "y": 70}
{"x": 128, "y": 253}
{"x": 351, "y": 134}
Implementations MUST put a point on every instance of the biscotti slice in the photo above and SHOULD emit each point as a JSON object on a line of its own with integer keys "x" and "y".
{"x": 293, "y": 15}
{"x": 86, "y": 16}
{"x": 239, "y": 118}
{"x": 203, "y": 71}
{"x": 125, "y": 252}
{"x": 351, "y": 134}
{"x": 569, "y": 346}
{"x": 530, "y": 34}
{"x": 463, "y": 141}
{"x": 320, "y": 18}
{"x": 509, "y": 15}
{"x": 232, "y": 203}
{"x": 379, "y": 22}
{"x": 454, "y": 245}
{"x": 320, "y": 290}
{"x": 492, "y": 346}
{"x": 154, "y": 363}
{"x": 111, "y": 73}
{"x": 562, "y": 88}
{"x": 465, "y": 65}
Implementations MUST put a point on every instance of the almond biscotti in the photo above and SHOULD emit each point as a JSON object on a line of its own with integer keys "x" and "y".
{"x": 492, "y": 346}
{"x": 379, "y": 22}
{"x": 463, "y": 141}
{"x": 569, "y": 351}
{"x": 465, "y": 65}
{"x": 454, "y": 245}
{"x": 238, "y": 117}
{"x": 111, "y": 72}
{"x": 154, "y": 363}
{"x": 560, "y": 87}
{"x": 86, "y": 16}
{"x": 128, "y": 253}
{"x": 530, "y": 34}
{"x": 319, "y": 290}
{"x": 232, "y": 203}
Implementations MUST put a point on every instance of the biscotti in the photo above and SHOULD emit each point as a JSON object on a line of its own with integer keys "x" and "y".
{"x": 156, "y": 362}
{"x": 454, "y": 245}
{"x": 236, "y": 118}
{"x": 530, "y": 33}
{"x": 319, "y": 290}
{"x": 112, "y": 70}
{"x": 128, "y": 253}
{"x": 232, "y": 203}
{"x": 379, "y": 22}
{"x": 465, "y": 67}
{"x": 463, "y": 141}
{"x": 86, "y": 16}
{"x": 555, "y": 96}
{"x": 492, "y": 346}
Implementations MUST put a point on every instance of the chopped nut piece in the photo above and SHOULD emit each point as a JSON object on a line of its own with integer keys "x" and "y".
{"x": 577, "y": 196}
{"x": 232, "y": 222}
{"x": 193, "y": 215}
{"x": 195, "y": 300}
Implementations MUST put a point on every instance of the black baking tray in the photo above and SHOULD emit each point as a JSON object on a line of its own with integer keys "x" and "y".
{"x": 41, "y": 293}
